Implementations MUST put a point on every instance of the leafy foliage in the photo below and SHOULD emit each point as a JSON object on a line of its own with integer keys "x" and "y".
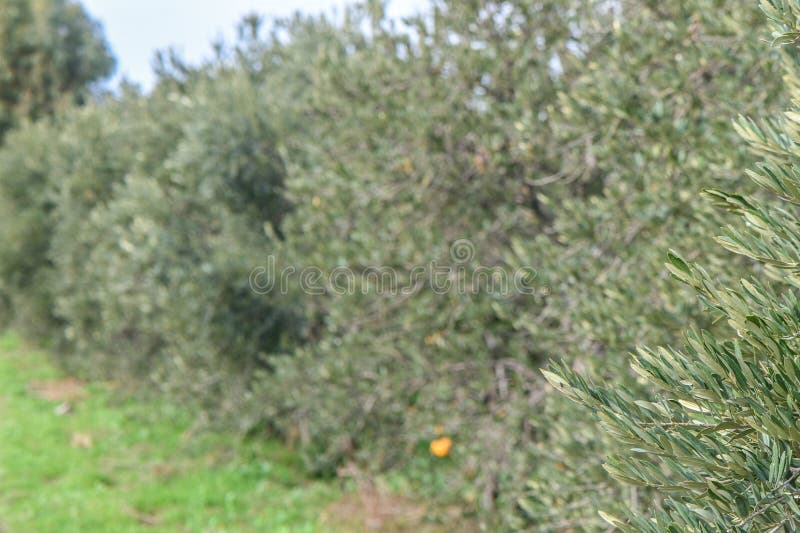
{"x": 566, "y": 136}
{"x": 719, "y": 440}
{"x": 51, "y": 51}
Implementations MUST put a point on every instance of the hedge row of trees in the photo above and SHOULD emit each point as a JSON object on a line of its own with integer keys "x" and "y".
{"x": 566, "y": 136}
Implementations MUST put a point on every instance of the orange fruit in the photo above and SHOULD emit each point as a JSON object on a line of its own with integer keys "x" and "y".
{"x": 441, "y": 447}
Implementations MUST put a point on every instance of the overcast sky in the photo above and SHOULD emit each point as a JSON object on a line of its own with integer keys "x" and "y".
{"x": 137, "y": 28}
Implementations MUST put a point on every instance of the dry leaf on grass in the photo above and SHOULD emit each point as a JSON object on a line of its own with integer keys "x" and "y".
{"x": 144, "y": 518}
{"x": 81, "y": 440}
{"x": 60, "y": 390}
{"x": 62, "y": 409}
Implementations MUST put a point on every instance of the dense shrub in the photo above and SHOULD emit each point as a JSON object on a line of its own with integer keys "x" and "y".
{"x": 51, "y": 55}
{"x": 25, "y": 227}
{"x": 532, "y": 175}
{"x": 158, "y": 278}
{"x": 660, "y": 105}
{"x": 133, "y": 227}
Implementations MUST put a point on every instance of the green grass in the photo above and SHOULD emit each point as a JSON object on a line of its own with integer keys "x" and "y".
{"x": 145, "y": 470}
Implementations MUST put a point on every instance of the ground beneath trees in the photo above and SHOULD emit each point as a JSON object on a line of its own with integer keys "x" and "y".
{"x": 83, "y": 458}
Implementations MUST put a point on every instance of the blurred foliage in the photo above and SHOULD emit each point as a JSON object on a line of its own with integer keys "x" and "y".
{"x": 568, "y": 136}
{"x": 51, "y": 51}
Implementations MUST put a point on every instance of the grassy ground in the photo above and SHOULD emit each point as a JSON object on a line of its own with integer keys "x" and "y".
{"x": 82, "y": 459}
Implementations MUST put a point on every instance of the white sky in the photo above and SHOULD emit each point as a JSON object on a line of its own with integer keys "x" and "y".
{"x": 135, "y": 29}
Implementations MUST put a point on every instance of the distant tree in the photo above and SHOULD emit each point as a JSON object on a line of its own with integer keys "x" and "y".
{"x": 51, "y": 51}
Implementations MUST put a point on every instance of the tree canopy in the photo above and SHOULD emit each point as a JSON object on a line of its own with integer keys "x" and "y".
{"x": 51, "y": 52}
